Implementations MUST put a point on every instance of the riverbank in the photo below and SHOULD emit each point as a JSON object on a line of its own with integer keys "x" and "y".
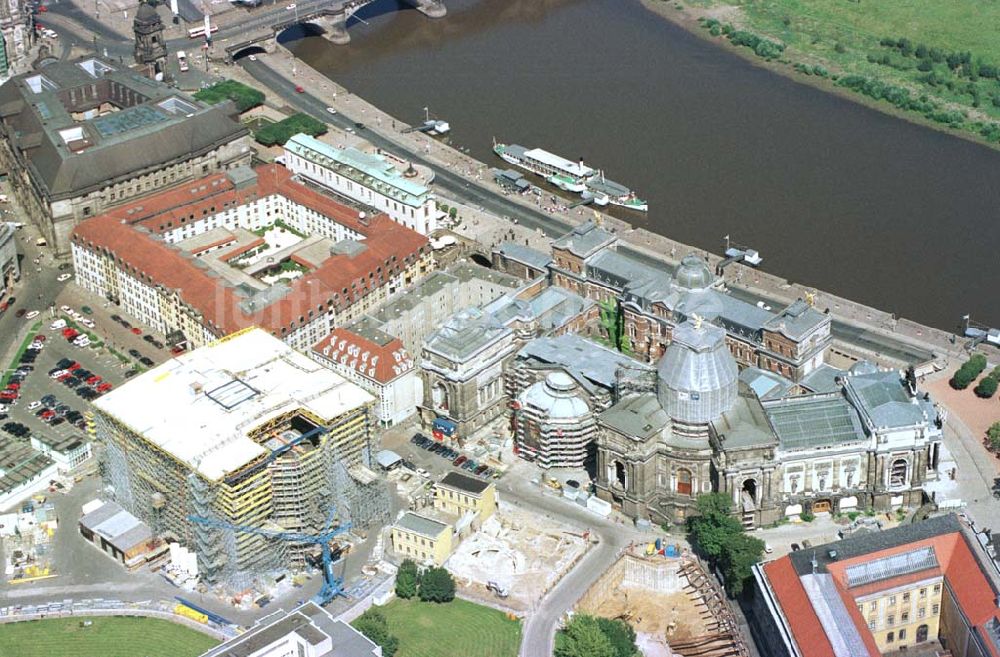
{"x": 926, "y": 84}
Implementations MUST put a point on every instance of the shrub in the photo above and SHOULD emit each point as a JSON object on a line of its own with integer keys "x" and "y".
{"x": 807, "y": 516}
{"x": 244, "y": 96}
{"x": 373, "y": 625}
{"x": 925, "y": 65}
{"x": 961, "y": 379}
{"x": 986, "y": 388}
{"x": 282, "y": 131}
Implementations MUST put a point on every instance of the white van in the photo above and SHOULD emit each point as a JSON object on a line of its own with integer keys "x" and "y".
{"x": 81, "y": 341}
{"x": 57, "y": 325}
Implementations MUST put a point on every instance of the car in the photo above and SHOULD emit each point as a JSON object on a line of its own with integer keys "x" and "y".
{"x": 460, "y": 460}
{"x": 71, "y": 382}
{"x": 69, "y": 333}
{"x": 61, "y": 409}
{"x": 116, "y": 319}
{"x": 795, "y": 547}
{"x": 33, "y": 314}
{"x": 13, "y": 386}
{"x": 806, "y": 545}
{"x": 65, "y": 309}
{"x": 146, "y": 361}
{"x": 131, "y": 373}
{"x": 415, "y": 438}
{"x": 20, "y": 312}
{"x": 290, "y": 7}
{"x": 157, "y": 344}
{"x": 47, "y": 414}
{"x": 64, "y": 266}
{"x": 42, "y": 9}
{"x": 359, "y": 125}
{"x": 176, "y": 351}
{"x": 767, "y": 548}
{"x": 73, "y": 366}
{"x": 58, "y": 373}
{"x": 40, "y": 338}
{"x": 93, "y": 380}
{"x": 481, "y": 469}
{"x": 423, "y": 473}
{"x": 104, "y": 387}
{"x": 65, "y": 375}
{"x": 33, "y": 405}
{"x": 87, "y": 310}
{"x": 26, "y": 368}
{"x": 82, "y": 373}
{"x": 137, "y": 331}
{"x": 56, "y": 421}
{"x": 57, "y": 325}
{"x": 134, "y": 353}
{"x": 252, "y": 58}
{"x": 82, "y": 341}
{"x": 470, "y": 465}
{"x": 125, "y": 323}
{"x": 63, "y": 363}
{"x": 89, "y": 323}
{"x": 299, "y": 89}
{"x": 49, "y": 400}
{"x": 62, "y": 278}
{"x": 331, "y": 110}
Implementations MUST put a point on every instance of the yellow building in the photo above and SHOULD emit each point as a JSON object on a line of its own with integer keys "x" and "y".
{"x": 422, "y": 539}
{"x": 903, "y": 615}
{"x": 459, "y": 494}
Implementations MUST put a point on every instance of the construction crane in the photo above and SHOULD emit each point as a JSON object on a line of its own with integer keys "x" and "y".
{"x": 333, "y": 586}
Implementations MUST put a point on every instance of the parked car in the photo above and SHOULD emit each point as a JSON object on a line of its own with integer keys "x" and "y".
{"x": 481, "y": 469}
{"x": 460, "y": 460}
{"x": 146, "y": 361}
{"x": 104, "y": 387}
{"x": 64, "y": 277}
{"x": 416, "y": 438}
{"x": 795, "y": 547}
{"x": 131, "y": 373}
{"x": 134, "y": 353}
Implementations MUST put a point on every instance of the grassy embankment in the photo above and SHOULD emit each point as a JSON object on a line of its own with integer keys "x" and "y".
{"x": 936, "y": 62}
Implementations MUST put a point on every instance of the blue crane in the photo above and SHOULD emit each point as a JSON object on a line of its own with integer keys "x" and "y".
{"x": 333, "y": 586}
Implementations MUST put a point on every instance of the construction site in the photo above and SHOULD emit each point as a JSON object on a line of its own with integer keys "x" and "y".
{"x": 26, "y": 538}
{"x": 676, "y": 608}
{"x": 517, "y": 556}
{"x": 253, "y": 457}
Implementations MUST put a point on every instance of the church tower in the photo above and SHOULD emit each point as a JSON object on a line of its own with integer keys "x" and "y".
{"x": 150, "y": 48}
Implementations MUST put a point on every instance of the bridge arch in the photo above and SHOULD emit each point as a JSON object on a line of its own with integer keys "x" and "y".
{"x": 481, "y": 260}
{"x": 255, "y": 49}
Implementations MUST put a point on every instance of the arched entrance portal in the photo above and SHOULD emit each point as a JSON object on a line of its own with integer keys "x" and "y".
{"x": 748, "y": 494}
{"x": 684, "y": 481}
{"x": 921, "y": 634}
{"x": 619, "y": 475}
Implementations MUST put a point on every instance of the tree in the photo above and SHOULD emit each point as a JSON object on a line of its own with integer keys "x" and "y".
{"x": 583, "y": 637}
{"x": 711, "y": 528}
{"x": 437, "y": 585}
{"x": 739, "y": 554}
{"x": 620, "y": 634}
{"x": 961, "y": 379}
{"x": 373, "y": 625}
{"x": 407, "y": 579}
{"x": 993, "y": 435}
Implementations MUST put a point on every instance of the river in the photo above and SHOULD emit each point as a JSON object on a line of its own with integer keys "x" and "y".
{"x": 833, "y": 194}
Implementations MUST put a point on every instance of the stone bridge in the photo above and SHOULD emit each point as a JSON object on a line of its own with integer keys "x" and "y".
{"x": 262, "y": 29}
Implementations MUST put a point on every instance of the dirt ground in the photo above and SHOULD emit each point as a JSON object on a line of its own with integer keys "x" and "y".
{"x": 977, "y": 414}
{"x": 653, "y": 613}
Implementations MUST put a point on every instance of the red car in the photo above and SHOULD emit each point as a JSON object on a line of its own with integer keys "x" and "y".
{"x": 13, "y": 386}
{"x": 42, "y": 9}
{"x": 47, "y": 414}
{"x": 40, "y": 338}
{"x": 94, "y": 380}
{"x": 73, "y": 366}
{"x": 299, "y": 90}
{"x": 137, "y": 330}
{"x": 104, "y": 387}
{"x": 177, "y": 351}
{"x": 70, "y": 333}
{"x": 8, "y": 394}
{"x": 64, "y": 376}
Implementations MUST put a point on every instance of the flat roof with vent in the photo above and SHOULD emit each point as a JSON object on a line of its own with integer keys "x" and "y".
{"x": 202, "y": 406}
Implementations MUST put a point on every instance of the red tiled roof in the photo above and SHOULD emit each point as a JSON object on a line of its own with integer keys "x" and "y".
{"x": 957, "y": 563}
{"x": 339, "y": 281}
{"x": 798, "y": 611}
{"x": 383, "y": 363}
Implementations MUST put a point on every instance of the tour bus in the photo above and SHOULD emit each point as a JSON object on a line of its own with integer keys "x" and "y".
{"x": 196, "y": 32}
{"x": 182, "y": 60}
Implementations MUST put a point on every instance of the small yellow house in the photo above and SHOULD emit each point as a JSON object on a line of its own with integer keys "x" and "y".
{"x": 460, "y": 494}
{"x": 422, "y": 539}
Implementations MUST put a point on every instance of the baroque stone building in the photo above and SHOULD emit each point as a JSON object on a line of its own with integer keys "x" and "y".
{"x": 871, "y": 442}
{"x": 653, "y": 300}
{"x": 16, "y": 35}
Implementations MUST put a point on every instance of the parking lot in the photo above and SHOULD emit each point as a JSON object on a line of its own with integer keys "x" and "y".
{"x": 79, "y": 353}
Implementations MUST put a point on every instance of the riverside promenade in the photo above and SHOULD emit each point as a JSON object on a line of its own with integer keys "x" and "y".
{"x": 488, "y": 229}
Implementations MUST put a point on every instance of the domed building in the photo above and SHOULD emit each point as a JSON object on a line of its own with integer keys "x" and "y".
{"x": 150, "y": 47}
{"x": 553, "y": 423}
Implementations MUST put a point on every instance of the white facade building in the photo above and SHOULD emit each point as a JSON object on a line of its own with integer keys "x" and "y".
{"x": 365, "y": 178}
{"x": 377, "y": 362}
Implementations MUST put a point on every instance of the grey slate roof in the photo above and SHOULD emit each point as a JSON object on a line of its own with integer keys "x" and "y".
{"x": 524, "y": 254}
{"x": 881, "y": 397}
{"x": 551, "y": 308}
{"x": 422, "y": 525}
{"x": 822, "y": 379}
{"x": 745, "y": 424}
{"x": 582, "y": 358}
{"x": 584, "y": 240}
{"x": 459, "y": 481}
{"x": 766, "y": 384}
{"x": 466, "y": 333}
{"x": 797, "y": 320}
{"x": 639, "y": 416}
{"x": 114, "y": 147}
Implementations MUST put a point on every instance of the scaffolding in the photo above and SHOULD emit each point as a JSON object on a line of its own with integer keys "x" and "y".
{"x": 360, "y": 495}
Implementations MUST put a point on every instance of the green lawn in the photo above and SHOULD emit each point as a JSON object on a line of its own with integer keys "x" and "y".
{"x": 426, "y": 629}
{"x": 106, "y": 637}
